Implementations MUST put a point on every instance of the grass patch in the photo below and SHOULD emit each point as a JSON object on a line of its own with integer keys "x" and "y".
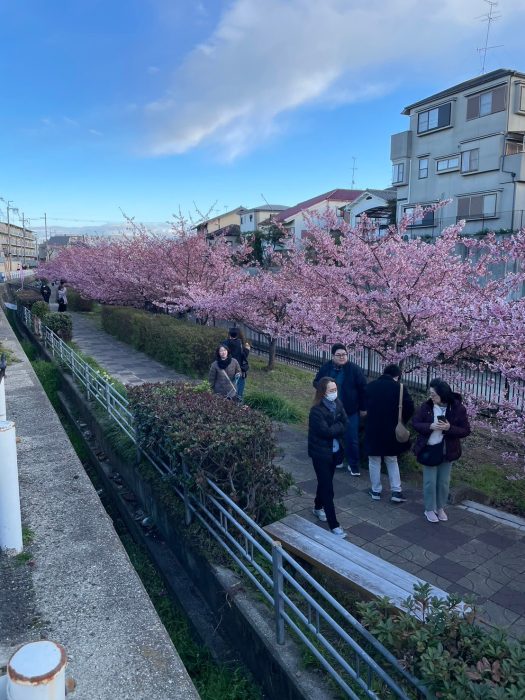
{"x": 275, "y": 407}
{"x": 9, "y": 355}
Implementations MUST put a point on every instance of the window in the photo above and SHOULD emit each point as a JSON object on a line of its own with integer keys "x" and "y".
{"x": 479, "y": 206}
{"x": 251, "y": 217}
{"x": 398, "y": 173}
{"x": 436, "y": 118}
{"x": 470, "y": 161}
{"x": 426, "y": 220}
{"x": 487, "y": 102}
{"x": 512, "y": 147}
{"x": 423, "y": 168}
{"x": 444, "y": 164}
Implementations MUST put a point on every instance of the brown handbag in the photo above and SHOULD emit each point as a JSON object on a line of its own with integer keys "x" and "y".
{"x": 402, "y": 432}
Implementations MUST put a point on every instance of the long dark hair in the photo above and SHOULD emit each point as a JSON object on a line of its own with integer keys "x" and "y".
{"x": 442, "y": 389}
{"x": 320, "y": 391}
{"x": 221, "y": 345}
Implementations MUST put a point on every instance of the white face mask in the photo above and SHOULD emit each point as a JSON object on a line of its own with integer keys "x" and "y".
{"x": 331, "y": 396}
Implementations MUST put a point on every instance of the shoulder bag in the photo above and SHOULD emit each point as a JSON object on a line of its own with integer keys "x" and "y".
{"x": 232, "y": 395}
{"x": 402, "y": 432}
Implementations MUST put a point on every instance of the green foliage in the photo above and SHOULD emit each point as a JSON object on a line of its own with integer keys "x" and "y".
{"x": 454, "y": 657}
{"x": 273, "y": 406}
{"x": 76, "y": 302}
{"x": 9, "y": 354}
{"x": 40, "y": 309}
{"x": 231, "y": 444}
{"x": 27, "y": 297}
{"x": 187, "y": 347}
{"x": 61, "y": 324}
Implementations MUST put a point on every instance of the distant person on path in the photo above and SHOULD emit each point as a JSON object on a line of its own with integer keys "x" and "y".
{"x": 441, "y": 422}
{"x": 45, "y": 291}
{"x": 382, "y": 411}
{"x": 326, "y": 428}
{"x": 239, "y": 349}
{"x": 224, "y": 374}
{"x": 62, "y": 296}
{"x": 351, "y": 385}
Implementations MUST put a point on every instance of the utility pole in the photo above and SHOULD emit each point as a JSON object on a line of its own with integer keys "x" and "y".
{"x": 45, "y": 228}
{"x": 353, "y": 171}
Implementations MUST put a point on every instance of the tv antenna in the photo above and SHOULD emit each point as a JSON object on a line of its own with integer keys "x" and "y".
{"x": 489, "y": 18}
{"x": 353, "y": 170}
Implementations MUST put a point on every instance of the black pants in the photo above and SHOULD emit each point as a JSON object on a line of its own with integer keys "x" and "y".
{"x": 324, "y": 496}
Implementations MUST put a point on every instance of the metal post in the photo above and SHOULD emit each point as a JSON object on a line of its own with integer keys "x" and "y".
{"x": 10, "y": 518}
{"x": 187, "y": 509}
{"x": 37, "y": 671}
{"x": 278, "y": 603}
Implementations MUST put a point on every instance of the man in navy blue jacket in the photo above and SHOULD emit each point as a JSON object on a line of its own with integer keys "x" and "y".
{"x": 351, "y": 385}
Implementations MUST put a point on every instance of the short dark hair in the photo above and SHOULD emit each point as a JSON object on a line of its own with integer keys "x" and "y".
{"x": 221, "y": 345}
{"x": 442, "y": 389}
{"x": 234, "y": 332}
{"x": 338, "y": 346}
{"x": 392, "y": 370}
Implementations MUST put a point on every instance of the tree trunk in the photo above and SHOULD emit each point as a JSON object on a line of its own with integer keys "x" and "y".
{"x": 271, "y": 354}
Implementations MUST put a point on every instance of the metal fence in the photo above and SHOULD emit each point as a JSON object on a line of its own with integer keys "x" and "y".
{"x": 350, "y": 655}
{"x": 482, "y": 384}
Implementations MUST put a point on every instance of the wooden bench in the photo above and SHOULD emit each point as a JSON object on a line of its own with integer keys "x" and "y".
{"x": 347, "y": 562}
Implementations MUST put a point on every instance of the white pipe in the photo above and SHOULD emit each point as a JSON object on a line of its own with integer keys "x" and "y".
{"x": 37, "y": 672}
{"x": 3, "y": 413}
{"x": 10, "y": 519}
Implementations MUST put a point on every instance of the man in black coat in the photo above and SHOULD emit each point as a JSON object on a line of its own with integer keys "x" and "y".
{"x": 382, "y": 405}
{"x": 351, "y": 385}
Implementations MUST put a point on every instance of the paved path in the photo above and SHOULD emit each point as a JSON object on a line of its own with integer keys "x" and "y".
{"x": 468, "y": 554}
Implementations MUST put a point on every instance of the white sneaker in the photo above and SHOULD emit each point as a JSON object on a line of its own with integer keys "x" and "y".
{"x": 431, "y": 516}
{"x": 339, "y": 532}
{"x": 442, "y": 515}
{"x": 320, "y": 514}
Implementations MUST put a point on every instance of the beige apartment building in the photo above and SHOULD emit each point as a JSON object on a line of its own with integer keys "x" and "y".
{"x": 18, "y": 248}
{"x": 466, "y": 144}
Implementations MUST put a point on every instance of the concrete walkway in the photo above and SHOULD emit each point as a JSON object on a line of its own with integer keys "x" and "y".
{"x": 75, "y": 583}
{"x": 470, "y": 554}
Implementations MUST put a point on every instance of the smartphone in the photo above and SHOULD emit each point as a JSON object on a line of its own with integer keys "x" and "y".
{"x": 442, "y": 419}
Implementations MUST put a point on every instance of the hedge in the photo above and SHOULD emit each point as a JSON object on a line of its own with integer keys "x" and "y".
{"x": 187, "y": 347}
{"x": 61, "y": 324}
{"x": 40, "y": 309}
{"x": 231, "y": 444}
{"x": 76, "y": 302}
{"x": 27, "y": 297}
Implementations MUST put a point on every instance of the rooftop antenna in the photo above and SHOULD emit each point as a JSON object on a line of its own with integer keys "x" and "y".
{"x": 353, "y": 170}
{"x": 489, "y": 18}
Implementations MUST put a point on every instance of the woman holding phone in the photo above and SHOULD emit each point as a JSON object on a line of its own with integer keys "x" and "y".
{"x": 441, "y": 423}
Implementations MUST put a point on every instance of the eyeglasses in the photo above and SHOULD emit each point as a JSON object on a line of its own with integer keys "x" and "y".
{"x": 341, "y": 354}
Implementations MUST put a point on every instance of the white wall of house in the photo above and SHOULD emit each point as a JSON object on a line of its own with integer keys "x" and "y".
{"x": 299, "y": 222}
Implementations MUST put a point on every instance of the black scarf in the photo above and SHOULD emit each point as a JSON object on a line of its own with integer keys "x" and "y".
{"x": 222, "y": 364}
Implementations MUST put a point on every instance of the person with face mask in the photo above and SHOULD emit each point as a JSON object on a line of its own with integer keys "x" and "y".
{"x": 326, "y": 429}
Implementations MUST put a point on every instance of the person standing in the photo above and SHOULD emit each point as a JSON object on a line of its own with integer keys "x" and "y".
{"x": 224, "y": 374}
{"x": 351, "y": 384}
{"x": 45, "y": 291}
{"x": 326, "y": 428}
{"x": 382, "y": 411}
{"x": 239, "y": 349}
{"x": 62, "y": 296}
{"x": 442, "y": 423}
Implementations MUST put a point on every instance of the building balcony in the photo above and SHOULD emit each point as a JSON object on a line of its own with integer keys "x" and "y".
{"x": 401, "y": 145}
{"x": 516, "y": 164}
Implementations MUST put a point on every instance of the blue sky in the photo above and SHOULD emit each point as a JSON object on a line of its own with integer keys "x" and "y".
{"x": 148, "y": 106}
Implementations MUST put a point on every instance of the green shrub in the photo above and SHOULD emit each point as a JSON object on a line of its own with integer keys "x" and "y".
{"x": 273, "y": 406}
{"x": 40, "y": 309}
{"x": 76, "y": 302}
{"x": 185, "y": 346}
{"x": 452, "y": 655}
{"x": 229, "y": 443}
{"x": 61, "y": 324}
{"x": 27, "y": 297}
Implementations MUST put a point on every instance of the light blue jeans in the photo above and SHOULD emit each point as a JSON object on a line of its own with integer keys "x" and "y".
{"x": 436, "y": 483}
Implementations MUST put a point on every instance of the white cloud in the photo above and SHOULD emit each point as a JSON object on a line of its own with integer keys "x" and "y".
{"x": 267, "y": 58}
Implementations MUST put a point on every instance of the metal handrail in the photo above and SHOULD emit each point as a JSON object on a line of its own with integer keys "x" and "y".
{"x": 282, "y": 582}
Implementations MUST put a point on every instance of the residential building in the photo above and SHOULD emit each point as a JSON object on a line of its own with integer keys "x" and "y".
{"x": 49, "y": 248}
{"x": 227, "y": 225}
{"x": 18, "y": 247}
{"x": 465, "y": 144}
{"x": 378, "y": 205}
{"x": 251, "y": 219}
{"x": 295, "y": 218}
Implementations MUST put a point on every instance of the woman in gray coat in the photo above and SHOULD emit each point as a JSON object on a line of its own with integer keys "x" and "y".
{"x": 224, "y": 374}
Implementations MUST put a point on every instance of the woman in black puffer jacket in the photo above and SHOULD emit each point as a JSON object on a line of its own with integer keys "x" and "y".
{"x": 326, "y": 428}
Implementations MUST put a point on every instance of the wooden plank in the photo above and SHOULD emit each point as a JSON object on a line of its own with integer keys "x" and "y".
{"x": 355, "y": 557}
{"x": 337, "y": 565}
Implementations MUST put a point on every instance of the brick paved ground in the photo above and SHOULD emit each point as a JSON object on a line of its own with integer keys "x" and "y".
{"x": 468, "y": 554}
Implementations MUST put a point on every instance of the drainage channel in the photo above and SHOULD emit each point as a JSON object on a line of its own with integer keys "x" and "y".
{"x": 214, "y": 668}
